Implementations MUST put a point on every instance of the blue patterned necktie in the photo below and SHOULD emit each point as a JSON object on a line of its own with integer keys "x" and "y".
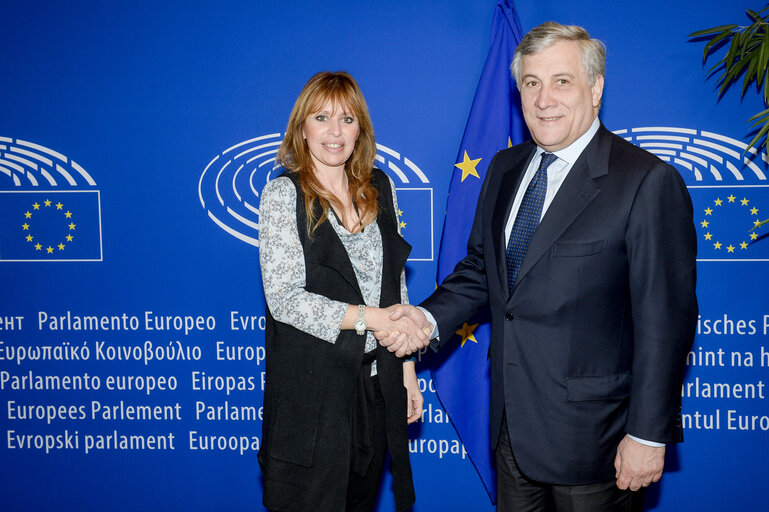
{"x": 527, "y": 220}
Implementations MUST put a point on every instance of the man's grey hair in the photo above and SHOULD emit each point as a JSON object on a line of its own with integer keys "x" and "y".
{"x": 593, "y": 51}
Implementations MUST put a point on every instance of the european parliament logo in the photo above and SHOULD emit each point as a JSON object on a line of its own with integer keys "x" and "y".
{"x": 48, "y": 205}
{"x": 728, "y": 186}
{"x": 229, "y": 187}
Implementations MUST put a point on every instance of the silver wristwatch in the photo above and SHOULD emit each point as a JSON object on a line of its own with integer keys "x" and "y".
{"x": 360, "y": 323}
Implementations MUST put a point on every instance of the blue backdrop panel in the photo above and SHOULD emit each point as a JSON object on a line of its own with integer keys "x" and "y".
{"x": 135, "y": 139}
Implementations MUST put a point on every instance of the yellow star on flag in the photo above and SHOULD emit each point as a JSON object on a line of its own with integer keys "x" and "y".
{"x": 708, "y": 236}
{"x": 402, "y": 225}
{"x": 753, "y": 236}
{"x": 718, "y": 201}
{"x": 717, "y": 245}
{"x": 27, "y": 214}
{"x": 38, "y": 247}
{"x": 731, "y": 198}
{"x": 59, "y": 206}
{"x": 468, "y": 166}
{"x": 744, "y": 201}
{"x": 47, "y": 202}
{"x": 743, "y": 245}
{"x": 754, "y": 211}
{"x": 704, "y": 223}
{"x": 730, "y": 248}
{"x": 467, "y": 333}
{"x": 708, "y": 211}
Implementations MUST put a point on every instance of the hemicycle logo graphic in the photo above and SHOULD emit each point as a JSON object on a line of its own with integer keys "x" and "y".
{"x": 728, "y": 185}
{"x": 49, "y": 204}
{"x": 229, "y": 188}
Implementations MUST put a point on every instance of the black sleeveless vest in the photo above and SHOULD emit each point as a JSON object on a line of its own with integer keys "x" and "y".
{"x": 310, "y": 383}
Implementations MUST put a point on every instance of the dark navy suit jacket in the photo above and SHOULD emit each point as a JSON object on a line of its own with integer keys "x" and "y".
{"x": 592, "y": 342}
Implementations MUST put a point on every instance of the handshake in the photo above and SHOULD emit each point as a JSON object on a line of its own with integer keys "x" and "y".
{"x": 404, "y": 330}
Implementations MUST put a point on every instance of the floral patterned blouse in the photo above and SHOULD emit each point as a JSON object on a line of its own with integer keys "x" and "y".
{"x": 283, "y": 271}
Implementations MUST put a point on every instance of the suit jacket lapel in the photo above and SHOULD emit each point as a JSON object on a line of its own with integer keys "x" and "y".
{"x": 576, "y": 192}
{"x": 508, "y": 188}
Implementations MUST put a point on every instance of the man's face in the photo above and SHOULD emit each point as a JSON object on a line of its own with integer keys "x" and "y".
{"x": 558, "y": 104}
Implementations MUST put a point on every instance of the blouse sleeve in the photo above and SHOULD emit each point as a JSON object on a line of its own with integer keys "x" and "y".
{"x": 404, "y": 291}
{"x": 281, "y": 258}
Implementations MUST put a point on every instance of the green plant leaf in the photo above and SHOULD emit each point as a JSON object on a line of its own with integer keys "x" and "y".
{"x": 733, "y": 47}
{"x": 763, "y": 113}
{"x": 713, "y": 30}
{"x": 759, "y": 224}
{"x": 746, "y": 57}
{"x": 762, "y": 59}
{"x": 746, "y": 41}
{"x": 712, "y": 71}
{"x": 748, "y": 76}
{"x": 754, "y": 143}
{"x": 753, "y": 14}
{"x": 766, "y": 87}
{"x": 710, "y": 44}
{"x": 760, "y": 118}
{"x": 736, "y": 70}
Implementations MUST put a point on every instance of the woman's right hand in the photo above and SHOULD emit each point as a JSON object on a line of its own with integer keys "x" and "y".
{"x": 400, "y": 332}
{"x": 403, "y": 335}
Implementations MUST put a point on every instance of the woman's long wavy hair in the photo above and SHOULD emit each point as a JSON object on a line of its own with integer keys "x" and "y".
{"x": 295, "y": 156}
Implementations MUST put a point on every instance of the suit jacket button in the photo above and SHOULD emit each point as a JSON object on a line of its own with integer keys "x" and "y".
{"x": 508, "y": 316}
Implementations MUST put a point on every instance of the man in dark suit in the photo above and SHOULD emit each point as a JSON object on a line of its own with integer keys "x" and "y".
{"x": 583, "y": 247}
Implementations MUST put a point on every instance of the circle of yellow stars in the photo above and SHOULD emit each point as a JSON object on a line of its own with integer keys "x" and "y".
{"x": 35, "y": 213}
{"x": 717, "y": 203}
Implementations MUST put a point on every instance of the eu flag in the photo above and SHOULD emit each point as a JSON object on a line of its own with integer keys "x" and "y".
{"x": 495, "y": 122}
{"x": 52, "y": 225}
{"x": 416, "y": 221}
{"x": 729, "y": 222}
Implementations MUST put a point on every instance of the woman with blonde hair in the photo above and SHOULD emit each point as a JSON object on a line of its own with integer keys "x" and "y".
{"x": 332, "y": 259}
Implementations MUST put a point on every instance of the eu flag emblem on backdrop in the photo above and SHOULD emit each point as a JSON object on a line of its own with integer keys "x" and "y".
{"x": 495, "y": 122}
{"x": 50, "y": 225}
{"x": 416, "y": 222}
{"x": 729, "y": 223}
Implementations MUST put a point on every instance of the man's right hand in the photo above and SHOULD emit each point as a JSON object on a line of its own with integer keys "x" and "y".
{"x": 406, "y": 342}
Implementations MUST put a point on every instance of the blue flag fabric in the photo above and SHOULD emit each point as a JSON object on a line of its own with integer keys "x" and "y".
{"x": 495, "y": 122}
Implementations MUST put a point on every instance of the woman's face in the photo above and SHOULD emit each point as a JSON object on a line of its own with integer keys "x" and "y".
{"x": 331, "y": 133}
